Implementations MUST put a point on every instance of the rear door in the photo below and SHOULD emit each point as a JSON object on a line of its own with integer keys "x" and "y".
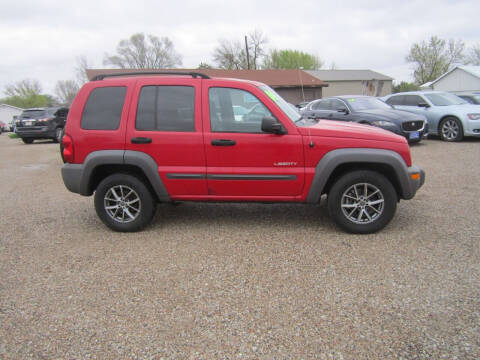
{"x": 165, "y": 122}
{"x": 243, "y": 161}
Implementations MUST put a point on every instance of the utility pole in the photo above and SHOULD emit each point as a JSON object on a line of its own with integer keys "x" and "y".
{"x": 248, "y": 55}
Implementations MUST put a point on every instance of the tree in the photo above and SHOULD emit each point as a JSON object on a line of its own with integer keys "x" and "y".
{"x": 473, "y": 57}
{"x": 291, "y": 59}
{"x": 203, "y": 65}
{"x": 66, "y": 91}
{"x": 433, "y": 58}
{"x": 26, "y": 94}
{"x": 81, "y": 70}
{"x": 233, "y": 54}
{"x": 139, "y": 52}
{"x": 405, "y": 86}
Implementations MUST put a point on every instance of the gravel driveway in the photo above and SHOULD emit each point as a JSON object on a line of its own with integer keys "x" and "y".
{"x": 238, "y": 281}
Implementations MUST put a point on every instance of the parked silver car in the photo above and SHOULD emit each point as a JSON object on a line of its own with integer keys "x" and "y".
{"x": 448, "y": 116}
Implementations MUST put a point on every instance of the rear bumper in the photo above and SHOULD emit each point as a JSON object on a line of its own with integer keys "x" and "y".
{"x": 39, "y": 132}
{"x": 72, "y": 175}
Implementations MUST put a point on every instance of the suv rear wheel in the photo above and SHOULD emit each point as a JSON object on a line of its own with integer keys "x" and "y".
{"x": 362, "y": 201}
{"x": 124, "y": 203}
{"x": 27, "y": 140}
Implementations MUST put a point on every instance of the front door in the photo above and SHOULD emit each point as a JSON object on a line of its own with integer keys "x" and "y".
{"x": 243, "y": 161}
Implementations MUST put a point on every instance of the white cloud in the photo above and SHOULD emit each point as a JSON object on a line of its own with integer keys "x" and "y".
{"x": 41, "y": 39}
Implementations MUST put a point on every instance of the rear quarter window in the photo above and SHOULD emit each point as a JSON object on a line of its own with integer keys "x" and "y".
{"x": 103, "y": 109}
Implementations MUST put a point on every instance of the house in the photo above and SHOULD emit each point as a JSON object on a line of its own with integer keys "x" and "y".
{"x": 7, "y": 112}
{"x": 461, "y": 79}
{"x": 295, "y": 86}
{"x": 354, "y": 82}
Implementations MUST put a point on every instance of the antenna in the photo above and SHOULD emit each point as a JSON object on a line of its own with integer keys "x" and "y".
{"x": 301, "y": 82}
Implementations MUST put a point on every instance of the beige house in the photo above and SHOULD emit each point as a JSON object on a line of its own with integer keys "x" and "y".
{"x": 354, "y": 82}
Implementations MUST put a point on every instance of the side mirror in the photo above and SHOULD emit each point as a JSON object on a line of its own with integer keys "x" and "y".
{"x": 343, "y": 110}
{"x": 422, "y": 104}
{"x": 271, "y": 125}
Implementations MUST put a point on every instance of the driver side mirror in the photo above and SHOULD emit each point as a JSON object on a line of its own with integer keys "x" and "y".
{"x": 343, "y": 110}
{"x": 272, "y": 126}
{"x": 423, "y": 104}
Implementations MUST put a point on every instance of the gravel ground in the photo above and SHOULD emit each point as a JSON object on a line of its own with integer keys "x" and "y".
{"x": 233, "y": 281}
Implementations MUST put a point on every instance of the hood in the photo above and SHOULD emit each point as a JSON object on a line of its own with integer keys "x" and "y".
{"x": 342, "y": 129}
{"x": 393, "y": 115}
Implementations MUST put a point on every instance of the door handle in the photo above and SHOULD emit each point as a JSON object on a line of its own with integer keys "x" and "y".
{"x": 141, "y": 140}
{"x": 223, "y": 142}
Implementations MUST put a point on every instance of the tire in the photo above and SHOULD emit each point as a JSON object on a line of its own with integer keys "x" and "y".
{"x": 111, "y": 197}
{"x": 27, "y": 140}
{"x": 356, "y": 211}
{"x": 58, "y": 135}
{"x": 451, "y": 129}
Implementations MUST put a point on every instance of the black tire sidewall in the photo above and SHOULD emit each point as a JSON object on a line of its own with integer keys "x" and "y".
{"x": 460, "y": 130}
{"x": 27, "y": 140}
{"x": 148, "y": 203}
{"x": 354, "y": 177}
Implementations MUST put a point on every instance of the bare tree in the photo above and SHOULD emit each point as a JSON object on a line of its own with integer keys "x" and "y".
{"x": 81, "y": 69}
{"x": 65, "y": 90}
{"x": 473, "y": 57}
{"x": 24, "y": 88}
{"x": 140, "y": 52}
{"x": 233, "y": 55}
{"x": 434, "y": 58}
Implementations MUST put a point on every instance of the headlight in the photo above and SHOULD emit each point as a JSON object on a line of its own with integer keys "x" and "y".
{"x": 382, "y": 123}
{"x": 473, "y": 116}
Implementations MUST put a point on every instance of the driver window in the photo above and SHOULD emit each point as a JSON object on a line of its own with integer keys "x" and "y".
{"x": 337, "y": 105}
{"x": 235, "y": 110}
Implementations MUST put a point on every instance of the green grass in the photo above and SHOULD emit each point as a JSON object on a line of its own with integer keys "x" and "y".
{"x": 13, "y": 136}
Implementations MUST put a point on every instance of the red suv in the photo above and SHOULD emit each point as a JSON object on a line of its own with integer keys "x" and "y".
{"x": 134, "y": 141}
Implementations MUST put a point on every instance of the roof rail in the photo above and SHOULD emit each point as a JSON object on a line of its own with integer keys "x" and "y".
{"x": 192, "y": 74}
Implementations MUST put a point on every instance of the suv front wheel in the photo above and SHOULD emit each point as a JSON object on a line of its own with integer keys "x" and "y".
{"x": 124, "y": 203}
{"x": 362, "y": 201}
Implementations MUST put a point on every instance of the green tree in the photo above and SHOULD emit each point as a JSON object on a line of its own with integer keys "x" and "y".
{"x": 26, "y": 94}
{"x": 203, "y": 65}
{"x": 291, "y": 59}
{"x": 405, "y": 86}
{"x": 140, "y": 52}
{"x": 434, "y": 57}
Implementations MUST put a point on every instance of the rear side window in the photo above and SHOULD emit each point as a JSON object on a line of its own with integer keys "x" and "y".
{"x": 395, "y": 100}
{"x": 166, "y": 108}
{"x": 103, "y": 109}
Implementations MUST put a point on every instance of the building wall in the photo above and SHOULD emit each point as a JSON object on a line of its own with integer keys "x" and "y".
{"x": 294, "y": 95}
{"x": 358, "y": 88}
{"x": 7, "y": 113}
{"x": 458, "y": 80}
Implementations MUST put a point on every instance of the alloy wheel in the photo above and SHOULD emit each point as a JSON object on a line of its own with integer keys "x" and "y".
{"x": 362, "y": 203}
{"x": 122, "y": 203}
{"x": 450, "y": 129}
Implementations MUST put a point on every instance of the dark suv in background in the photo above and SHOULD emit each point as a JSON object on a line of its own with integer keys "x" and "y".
{"x": 41, "y": 123}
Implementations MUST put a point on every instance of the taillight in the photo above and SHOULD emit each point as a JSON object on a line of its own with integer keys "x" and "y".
{"x": 67, "y": 148}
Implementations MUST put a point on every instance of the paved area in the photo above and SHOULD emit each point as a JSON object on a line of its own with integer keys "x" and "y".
{"x": 238, "y": 281}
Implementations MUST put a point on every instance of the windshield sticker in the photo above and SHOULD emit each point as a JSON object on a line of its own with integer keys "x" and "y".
{"x": 271, "y": 95}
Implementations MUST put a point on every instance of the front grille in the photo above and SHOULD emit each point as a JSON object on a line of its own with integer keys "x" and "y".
{"x": 412, "y": 125}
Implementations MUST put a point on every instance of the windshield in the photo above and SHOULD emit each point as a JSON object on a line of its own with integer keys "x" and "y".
{"x": 32, "y": 114}
{"x": 292, "y": 114}
{"x": 367, "y": 103}
{"x": 444, "y": 99}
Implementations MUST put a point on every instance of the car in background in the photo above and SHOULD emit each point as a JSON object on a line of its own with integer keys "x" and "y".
{"x": 41, "y": 123}
{"x": 449, "y": 116}
{"x": 371, "y": 111}
{"x": 13, "y": 123}
{"x": 3, "y": 127}
{"x": 302, "y": 104}
{"x": 470, "y": 98}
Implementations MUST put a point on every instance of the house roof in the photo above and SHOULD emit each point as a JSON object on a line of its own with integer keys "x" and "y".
{"x": 10, "y": 106}
{"x": 348, "y": 75}
{"x": 274, "y": 78}
{"x": 472, "y": 70}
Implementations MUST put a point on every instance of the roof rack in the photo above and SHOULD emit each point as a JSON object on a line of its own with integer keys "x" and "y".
{"x": 192, "y": 74}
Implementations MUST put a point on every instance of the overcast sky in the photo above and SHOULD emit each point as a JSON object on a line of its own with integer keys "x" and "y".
{"x": 41, "y": 39}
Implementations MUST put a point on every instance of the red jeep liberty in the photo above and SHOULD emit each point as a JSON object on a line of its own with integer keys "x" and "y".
{"x": 135, "y": 140}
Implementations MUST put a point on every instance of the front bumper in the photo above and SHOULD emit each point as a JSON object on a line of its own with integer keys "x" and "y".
{"x": 416, "y": 179}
